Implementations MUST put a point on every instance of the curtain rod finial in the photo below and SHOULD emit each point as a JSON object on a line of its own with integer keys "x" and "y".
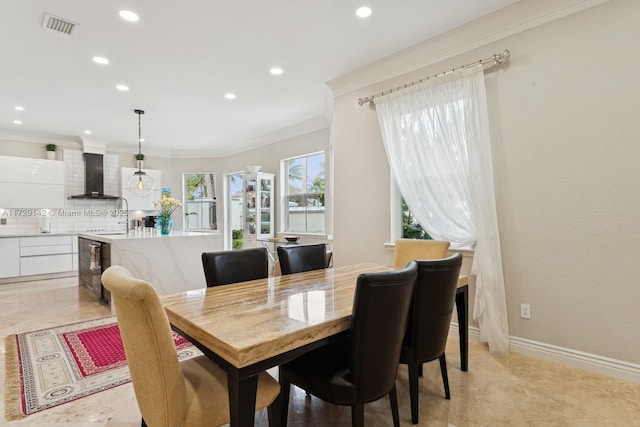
{"x": 503, "y": 57}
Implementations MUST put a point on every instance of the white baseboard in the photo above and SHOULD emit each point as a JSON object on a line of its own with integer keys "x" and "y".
{"x": 574, "y": 358}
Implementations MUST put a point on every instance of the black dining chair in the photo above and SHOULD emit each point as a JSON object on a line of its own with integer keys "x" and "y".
{"x": 223, "y": 267}
{"x": 296, "y": 259}
{"x": 359, "y": 367}
{"x": 428, "y": 323}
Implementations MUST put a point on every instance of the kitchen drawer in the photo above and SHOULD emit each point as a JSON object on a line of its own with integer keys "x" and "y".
{"x": 10, "y": 257}
{"x": 46, "y": 241}
{"x": 45, "y": 250}
{"x": 45, "y": 264}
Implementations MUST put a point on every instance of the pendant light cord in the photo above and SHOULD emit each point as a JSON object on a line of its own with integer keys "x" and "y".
{"x": 139, "y": 113}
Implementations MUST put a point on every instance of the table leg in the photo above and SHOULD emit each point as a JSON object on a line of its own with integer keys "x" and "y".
{"x": 242, "y": 400}
{"x": 462, "y": 307}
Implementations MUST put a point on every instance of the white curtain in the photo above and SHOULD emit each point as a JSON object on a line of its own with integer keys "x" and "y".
{"x": 436, "y": 136}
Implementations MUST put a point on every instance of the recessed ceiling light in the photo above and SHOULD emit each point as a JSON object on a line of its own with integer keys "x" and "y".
{"x": 19, "y": 108}
{"x": 87, "y": 132}
{"x": 276, "y": 71}
{"x": 100, "y": 60}
{"x": 363, "y": 12}
{"x": 127, "y": 15}
{"x": 230, "y": 95}
{"x": 122, "y": 88}
{"x": 18, "y": 122}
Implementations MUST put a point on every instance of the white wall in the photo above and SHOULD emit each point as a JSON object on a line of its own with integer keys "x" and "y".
{"x": 565, "y": 128}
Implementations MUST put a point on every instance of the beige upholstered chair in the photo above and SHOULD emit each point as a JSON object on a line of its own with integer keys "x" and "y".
{"x": 169, "y": 393}
{"x": 414, "y": 249}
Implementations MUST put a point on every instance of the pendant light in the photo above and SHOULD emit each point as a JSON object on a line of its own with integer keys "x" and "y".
{"x": 140, "y": 183}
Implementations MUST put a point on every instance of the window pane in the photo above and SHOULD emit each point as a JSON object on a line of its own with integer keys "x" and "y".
{"x": 315, "y": 173}
{"x": 304, "y": 210}
{"x": 411, "y": 228}
{"x": 296, "y": 175}
{"x": 200, "y": 201}
{"x": 200, "y": 186}
{"x": 236, "y": 205}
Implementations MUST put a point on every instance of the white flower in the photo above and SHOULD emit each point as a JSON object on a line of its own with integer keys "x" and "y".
{"x": 166, "y": 206}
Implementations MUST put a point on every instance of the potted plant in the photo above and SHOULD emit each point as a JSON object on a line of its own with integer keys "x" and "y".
{"x": 51, "y": 151}
{"x": 236, "y": 239}
{"x": 140, "y": 160}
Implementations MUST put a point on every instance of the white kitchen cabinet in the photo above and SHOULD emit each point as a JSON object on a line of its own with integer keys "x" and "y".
{"x": 74, "y": 253}
{"x": 137, "y": 203}
{"x": 46, "y": 254}
{"x": 31, "y": 183}
{"x": 45, "y": 264}
{"x": 10, "y": 256}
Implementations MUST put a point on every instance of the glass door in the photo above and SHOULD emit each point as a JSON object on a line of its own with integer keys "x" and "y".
{"x": 234, "y": 211}
{"x": 266, "y": 197}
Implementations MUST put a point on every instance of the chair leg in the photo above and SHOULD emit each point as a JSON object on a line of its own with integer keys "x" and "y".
{"x": 273, "y": 413}
{"x": 445, "y": 376}
{"x": 414, "y": 369}
{"x": 462, "y": 307}
{"x": 357, "y": 415}
{"x": 393, "y": 400}
{"x": 282, "y": 401}
{"x": 420, "y": 371}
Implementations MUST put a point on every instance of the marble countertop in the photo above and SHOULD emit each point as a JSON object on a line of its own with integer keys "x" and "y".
{"x": 107, "y": 237}
{"x": 63, "y": 233}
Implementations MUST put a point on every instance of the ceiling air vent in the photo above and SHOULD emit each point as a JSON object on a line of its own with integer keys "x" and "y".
{"x": 58, "y": 24}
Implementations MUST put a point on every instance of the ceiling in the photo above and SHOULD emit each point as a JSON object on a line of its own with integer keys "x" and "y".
{"x": 181, "y": 58}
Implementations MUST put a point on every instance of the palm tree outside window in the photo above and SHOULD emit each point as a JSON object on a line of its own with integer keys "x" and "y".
{"x": 200, "y": 208}
{"x": 304, "y": 210}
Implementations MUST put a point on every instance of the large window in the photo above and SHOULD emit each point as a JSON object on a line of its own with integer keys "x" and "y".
{"x": 411, "y": 228}
{"x": 199, "y": 205}
{"x": 304, "y": 193}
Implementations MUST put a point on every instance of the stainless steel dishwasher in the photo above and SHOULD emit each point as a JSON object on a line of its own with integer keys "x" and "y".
{"x": 93, "y": 258}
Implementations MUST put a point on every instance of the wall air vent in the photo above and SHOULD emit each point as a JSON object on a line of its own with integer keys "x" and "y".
{"x": 58, "y": 24}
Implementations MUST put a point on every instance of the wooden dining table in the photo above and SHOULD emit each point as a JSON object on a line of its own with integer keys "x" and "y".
{"x": 249, "y": 327}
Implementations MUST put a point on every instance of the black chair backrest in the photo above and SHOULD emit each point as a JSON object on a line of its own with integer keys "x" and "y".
{"x": 431, "y": 307}
{"x": 380, "y": 310}
{"x": 221, "y": 268}
{"x": 296, "y": 259}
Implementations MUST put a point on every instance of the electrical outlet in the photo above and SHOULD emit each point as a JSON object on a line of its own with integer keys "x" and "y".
{"x": 525, "y": 311}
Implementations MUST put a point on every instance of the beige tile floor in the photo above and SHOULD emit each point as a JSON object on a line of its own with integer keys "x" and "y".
{"x": 508, "y": 391}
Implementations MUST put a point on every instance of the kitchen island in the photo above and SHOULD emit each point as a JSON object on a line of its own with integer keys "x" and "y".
{"x": 170, "y": 263}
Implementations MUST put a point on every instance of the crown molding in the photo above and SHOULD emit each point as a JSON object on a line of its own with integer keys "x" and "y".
{"x": 302, "y": 128}
{"x": 78, "y": 142}
{"x": 514, "y": 19}
{"x": 38, "y": 138}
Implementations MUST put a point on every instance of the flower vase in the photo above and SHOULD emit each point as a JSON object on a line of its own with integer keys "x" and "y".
{"x": 165, "y": 224}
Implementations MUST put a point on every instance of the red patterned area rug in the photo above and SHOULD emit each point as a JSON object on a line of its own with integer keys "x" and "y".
{"x": 53, "y": 366}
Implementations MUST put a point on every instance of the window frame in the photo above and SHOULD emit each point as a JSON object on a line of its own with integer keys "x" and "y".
{"x": 212, "y": 201}
{"x": 284, "y": 191}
